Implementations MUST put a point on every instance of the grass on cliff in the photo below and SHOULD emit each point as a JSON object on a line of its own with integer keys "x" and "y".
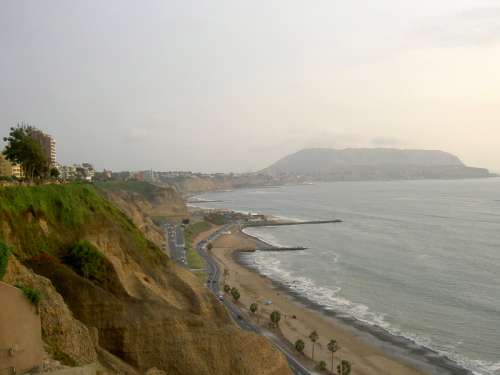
{"x": 86, "y": 260}
{"x": 194, "y": 259}
{"x": 52, "y": 218}
{"x": 4, "y": 259}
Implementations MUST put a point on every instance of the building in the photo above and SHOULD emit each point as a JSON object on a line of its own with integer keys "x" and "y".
{"x": 48, "y": 145}
{"x": 9, "y": 169}
{"x": 67, "y": 172}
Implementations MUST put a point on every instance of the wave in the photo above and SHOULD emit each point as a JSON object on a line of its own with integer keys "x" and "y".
{"x": 330, "y": 298}
{"x": 263, "y": 237}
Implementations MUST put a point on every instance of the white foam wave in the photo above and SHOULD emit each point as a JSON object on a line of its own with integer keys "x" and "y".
{"x": 331, "y": 299}
{"x": 263, "y": 236}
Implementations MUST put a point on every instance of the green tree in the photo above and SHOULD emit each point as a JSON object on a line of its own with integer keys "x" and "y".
{"x": 210, "y": 246}
{"x": 227, "y": 288}
{"x": 313, "y": 337}
{"x": 300, "y": 346}
{"x": 275, "y": 318}
{"x": 54, "y": 173}
{"x": 236, "y": 294}
{"x": 332, "y": 348}
{"x": 23, "y": 149}
{"x": 344, "y": 368}
{"x": 185, "y": 221}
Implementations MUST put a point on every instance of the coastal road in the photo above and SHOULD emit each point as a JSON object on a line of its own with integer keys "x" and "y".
{"x": 213, "y": 284}
{"x": 175, "y": 236}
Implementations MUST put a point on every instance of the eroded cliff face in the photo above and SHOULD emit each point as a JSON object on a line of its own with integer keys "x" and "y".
{"x": 148, "y": 312}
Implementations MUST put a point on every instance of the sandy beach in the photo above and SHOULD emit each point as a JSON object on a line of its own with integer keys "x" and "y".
{"x": 298, "y": 321}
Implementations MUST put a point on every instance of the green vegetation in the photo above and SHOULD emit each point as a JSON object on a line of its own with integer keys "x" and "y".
{"x": 216, "y": 218}
{"x": 52, "y": 218}
{"x": 33, "y": 295}
{"x": 275, "y": 318}
{"x": 321, "y": 366}
{"x": 313, "y": 337}
{"x": 300, "y": 346}
{"x": 227, "y": 288}
{"x": 194, "y": 259}
{"x": 253, "y": 308}
{"x": 4, "y": 259}
{"x": 160, "y": 220}
{"x": 344, "y": 368}
{"x": 236, "y": 294}
{"x": 86, "y": 260}
{"x": 23, "y": 149}
{"x": 143, "y": 188}
{"x": 332, "y": 348}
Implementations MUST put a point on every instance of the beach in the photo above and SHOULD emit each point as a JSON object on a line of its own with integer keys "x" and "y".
{"x": 368, "y": 354}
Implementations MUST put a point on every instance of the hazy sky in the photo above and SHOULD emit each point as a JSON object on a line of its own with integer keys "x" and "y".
{"x": 234, "y": 85}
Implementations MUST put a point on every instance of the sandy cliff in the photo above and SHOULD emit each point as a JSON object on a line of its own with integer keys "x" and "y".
{"x": 145, "y": 311}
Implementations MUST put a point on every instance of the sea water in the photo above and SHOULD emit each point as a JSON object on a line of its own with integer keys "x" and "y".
{"x": 420, "y": 259}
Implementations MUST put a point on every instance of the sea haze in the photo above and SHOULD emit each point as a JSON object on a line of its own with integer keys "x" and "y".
{"x": 419, "y": 258}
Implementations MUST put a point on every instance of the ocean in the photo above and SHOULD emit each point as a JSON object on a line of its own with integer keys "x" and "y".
{"x": 420, "y": 259}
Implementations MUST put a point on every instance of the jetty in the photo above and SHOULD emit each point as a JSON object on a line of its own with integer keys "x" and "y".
{"x": 283, "y": 223}
{"x": 274, "y": 248}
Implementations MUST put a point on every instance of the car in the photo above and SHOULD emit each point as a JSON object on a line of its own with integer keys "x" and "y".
{"x": 268, "y": 302}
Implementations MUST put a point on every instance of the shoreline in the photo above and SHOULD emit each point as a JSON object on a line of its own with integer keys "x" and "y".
{"x": 397, "y": 348}
{"x": 409, "y": 351}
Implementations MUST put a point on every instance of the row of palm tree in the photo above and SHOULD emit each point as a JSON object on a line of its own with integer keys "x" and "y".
{"x": 343, "y": 368}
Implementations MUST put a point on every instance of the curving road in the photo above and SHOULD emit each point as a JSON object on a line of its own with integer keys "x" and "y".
{"x": 234, "y": 311}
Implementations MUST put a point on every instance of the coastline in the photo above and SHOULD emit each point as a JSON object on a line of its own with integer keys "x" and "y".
{"x": 372, "y": 348}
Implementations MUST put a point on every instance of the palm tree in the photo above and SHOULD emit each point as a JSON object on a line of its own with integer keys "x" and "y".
{"x": 313, "y": 337}
{"x": 332, "y": 347}
{"x": 344, "y": 368}
{"x": 236, "y": 294}
{"x": 210, "y": 246}
{"x": 253, "y": 308}
{"x": 275, "y": 318}
{"x": 300, "y": 346}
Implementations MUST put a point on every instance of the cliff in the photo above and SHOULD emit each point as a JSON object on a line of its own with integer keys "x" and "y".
{"x": 372, "y": 164}
{"x": 204, "y": 183}
{"x": 112, "y": 293}
{"x": 143, "y": 203}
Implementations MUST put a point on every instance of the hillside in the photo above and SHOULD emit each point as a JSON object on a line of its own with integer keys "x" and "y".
{"x": 109, "y": 293}
{"x": 145, "y": 203}
{"x": 372, "y": 164}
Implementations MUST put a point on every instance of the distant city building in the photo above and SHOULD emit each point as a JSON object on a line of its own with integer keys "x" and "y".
{"x": 150, "y": 176}
{"x": 48, "y": 145}
{"x": 9, "y": 169}
{"x": 84, "y": 171}
{"x": 67, "y": 172}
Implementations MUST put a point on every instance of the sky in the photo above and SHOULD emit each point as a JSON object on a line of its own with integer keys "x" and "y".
{"x": 230, "y": 85}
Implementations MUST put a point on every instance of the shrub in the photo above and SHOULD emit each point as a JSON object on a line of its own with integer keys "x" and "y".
{"x": 344, "y": 368}
{"x": 86, "y": 260}
{"x": 33, "y": 295}
{"x": 321, "y": 366}
{"x": 300, "y": 346}
{"x": 4, "y": 259}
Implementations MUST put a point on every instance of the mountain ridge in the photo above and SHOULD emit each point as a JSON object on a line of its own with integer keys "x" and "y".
{"x": 372, "y": 164}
